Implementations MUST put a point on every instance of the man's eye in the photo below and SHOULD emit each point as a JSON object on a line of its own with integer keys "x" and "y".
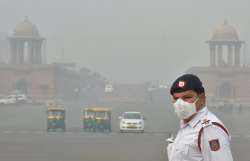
{"x": 187, "y": 98}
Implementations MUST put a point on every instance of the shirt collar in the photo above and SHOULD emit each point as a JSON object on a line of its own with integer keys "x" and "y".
{"x": 200, "y": 114}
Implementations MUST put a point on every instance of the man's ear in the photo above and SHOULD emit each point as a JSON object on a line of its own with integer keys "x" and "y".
{"x": 202, "y": 101}
{"x": 202, "y": 95}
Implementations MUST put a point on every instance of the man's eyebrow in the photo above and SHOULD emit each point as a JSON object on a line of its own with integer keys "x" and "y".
{"x": 188, "y": 95}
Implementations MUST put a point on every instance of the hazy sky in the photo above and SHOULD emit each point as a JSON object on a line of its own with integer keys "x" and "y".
{"x": 129, "y": 40}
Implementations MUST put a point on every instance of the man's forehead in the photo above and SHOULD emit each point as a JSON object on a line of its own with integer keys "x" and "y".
{"x": 185, "y": 93}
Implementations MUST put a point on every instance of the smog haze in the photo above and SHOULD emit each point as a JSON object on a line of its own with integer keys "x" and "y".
{"x": 128, "y": 41}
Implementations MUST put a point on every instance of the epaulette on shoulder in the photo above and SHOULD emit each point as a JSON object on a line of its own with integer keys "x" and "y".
{"x": 205, "y": 123}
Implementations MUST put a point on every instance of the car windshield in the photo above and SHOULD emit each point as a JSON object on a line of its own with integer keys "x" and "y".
{"x": 132, "y": 116}
{"x": 21, "y": 96}
{"x": 9, "y": 97}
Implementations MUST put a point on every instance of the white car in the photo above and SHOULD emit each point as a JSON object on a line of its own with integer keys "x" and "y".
{"x": 108, "y": 88}
{"x": 10, "y": 99}
{"x": 131, "y": 122}
{"x": 21, "y": 98}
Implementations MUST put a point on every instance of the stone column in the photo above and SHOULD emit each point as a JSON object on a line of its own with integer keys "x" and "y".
{"x": 34, "y": 48}
{"x": 230, "y": 55}
{"x": 20, "y": 52}
{"x": 237, "y": 54}
{"x": 212, "y": 54}
{"x": 31, "y": 52}
{"x": 220, "y": 52}
{"x": 13, "y": 51}
{"x": 39, "y": 52}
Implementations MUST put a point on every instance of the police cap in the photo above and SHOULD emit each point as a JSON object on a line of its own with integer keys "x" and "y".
{"x": 187, "y": 82}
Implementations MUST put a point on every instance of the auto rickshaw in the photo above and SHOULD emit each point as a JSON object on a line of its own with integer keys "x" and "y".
{"x": 96, "y": 119}
{"x": 55, "y": 118}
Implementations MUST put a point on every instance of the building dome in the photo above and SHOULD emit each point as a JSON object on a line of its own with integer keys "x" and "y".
{"x": 26, "y": 29}
{"x": 225, "y": 32}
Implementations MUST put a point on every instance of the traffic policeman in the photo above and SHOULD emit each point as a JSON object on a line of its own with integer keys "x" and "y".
{"x": 202, "y": 136}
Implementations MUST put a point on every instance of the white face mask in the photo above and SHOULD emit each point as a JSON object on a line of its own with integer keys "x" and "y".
{"x": 184, "y": 109}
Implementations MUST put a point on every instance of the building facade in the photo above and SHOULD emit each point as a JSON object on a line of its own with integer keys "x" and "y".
{"x": 26, "y": 70}
{"x": 227, "y": 77}
{"x": 4, "y": 47}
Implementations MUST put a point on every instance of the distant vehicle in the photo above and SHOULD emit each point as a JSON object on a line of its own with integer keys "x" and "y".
{"x": 55, "y": 117}
{"x": 131, "y": 122}
{"x": 10, "y": 99}
{"x": 163, "y": 86}
{"x": 21, "y": 98}
{"x": 96, "y": 119}
{"x": 150, "y": 89}
{"x": 15, "y": 98}
{"x": 108, "y": 88}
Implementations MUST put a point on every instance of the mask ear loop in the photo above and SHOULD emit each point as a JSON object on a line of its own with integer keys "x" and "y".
{"x": 199, "y": 96}
{"x": 196, "y": 99}
{"x": 195, "y": 103}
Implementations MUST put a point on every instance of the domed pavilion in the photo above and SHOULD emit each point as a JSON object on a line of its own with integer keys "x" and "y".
{"x": 26, "y": 44}
{"x": 225, "y": 38}
{"x": 226, "y": 79}
{"x": 27, "y": 71}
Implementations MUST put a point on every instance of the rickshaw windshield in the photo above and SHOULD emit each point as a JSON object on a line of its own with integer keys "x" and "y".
{"x": 89, "y": 113}
{"x": 101, "y": 114}
{"x": 55, "y": 113}
{"x": 132, "y": 116}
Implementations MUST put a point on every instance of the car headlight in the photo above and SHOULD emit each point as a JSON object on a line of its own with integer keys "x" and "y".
{"x": 139, "y": 122}
{"x": 123, "y": 122}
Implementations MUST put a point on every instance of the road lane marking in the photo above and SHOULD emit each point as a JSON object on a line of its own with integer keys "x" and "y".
{"x": 24, "y": 132}
{"x": 39, "y": 132}
{"x": 68, "y": 132}
{"x": 248, "y": 136}
{"x": 8, "y": 132}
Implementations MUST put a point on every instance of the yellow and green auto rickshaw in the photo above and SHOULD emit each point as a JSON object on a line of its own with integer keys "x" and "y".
{"x": 55, "y": 118}
{"x": 96, "y": 119}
